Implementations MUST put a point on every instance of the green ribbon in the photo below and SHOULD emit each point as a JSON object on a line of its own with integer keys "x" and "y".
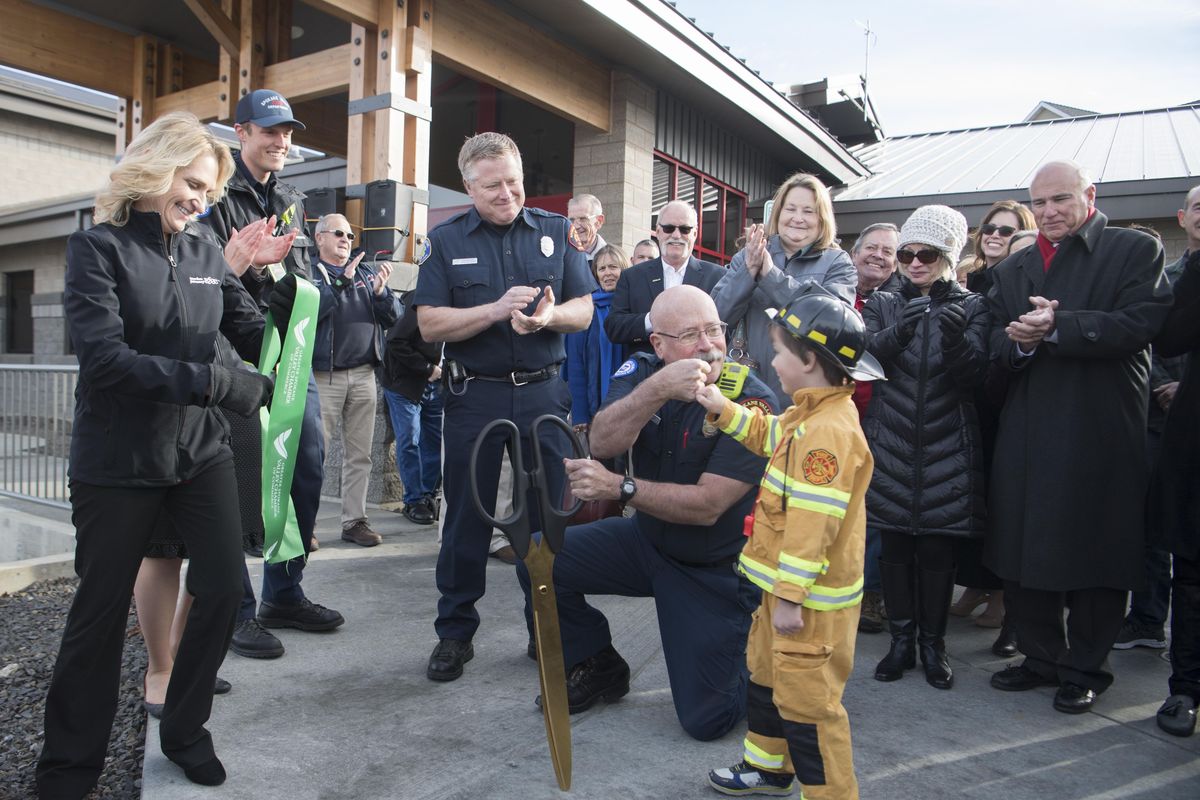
{"x": 282, "y": 421}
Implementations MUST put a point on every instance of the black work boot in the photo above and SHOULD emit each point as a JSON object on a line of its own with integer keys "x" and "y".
{"x": 604, "y": 676}
{"x": 934, "y": 591}
{"x": 899, "y": 592}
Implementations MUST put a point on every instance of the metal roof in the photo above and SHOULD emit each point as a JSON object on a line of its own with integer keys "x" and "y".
{"x": 1129, "y": 146}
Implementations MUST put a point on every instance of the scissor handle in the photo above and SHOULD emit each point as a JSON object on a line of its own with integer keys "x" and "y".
{"x": 509, "y": 524}
{"x": 554, "y": 520}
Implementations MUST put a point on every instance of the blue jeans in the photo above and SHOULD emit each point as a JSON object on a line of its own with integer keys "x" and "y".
{"x": 418, "y": 429}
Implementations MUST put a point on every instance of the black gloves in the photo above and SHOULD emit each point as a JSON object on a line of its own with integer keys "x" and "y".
{"x": 953, "y": 322}
{"x": 283, "y": 297}
{"x": 906, "y": 328}
{"x": 239, "y": 390}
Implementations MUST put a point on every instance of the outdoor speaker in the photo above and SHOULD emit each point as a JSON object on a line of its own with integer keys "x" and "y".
{"x": 386, "y": 215}
{"x": 319, "y": 202}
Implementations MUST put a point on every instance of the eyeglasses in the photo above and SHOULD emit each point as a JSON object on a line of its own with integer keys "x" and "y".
{"x": 924, "y": 256}
{"x": 341, "y": 234}
{"x": 987, "y": 229}
{"x": 684, "y": 229}
{"x": 689, "y": 338}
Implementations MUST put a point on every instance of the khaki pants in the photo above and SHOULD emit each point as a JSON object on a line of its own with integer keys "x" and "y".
{"x": 796, "y": 718}
{"x": 349, "y": 396}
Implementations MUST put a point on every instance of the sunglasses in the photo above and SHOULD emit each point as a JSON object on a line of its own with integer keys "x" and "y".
{"x": 987, "y": 229}
{"x": 341, "y": 234}
{"x": 924, "y": 256}
{"x": 669, "y": 229}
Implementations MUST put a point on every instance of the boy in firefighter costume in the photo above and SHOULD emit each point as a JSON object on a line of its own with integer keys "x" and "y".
{"x": 805, "y": 552}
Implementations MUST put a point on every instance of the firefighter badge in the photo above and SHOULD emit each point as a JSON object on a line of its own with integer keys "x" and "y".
{"x": 820, "y": 467}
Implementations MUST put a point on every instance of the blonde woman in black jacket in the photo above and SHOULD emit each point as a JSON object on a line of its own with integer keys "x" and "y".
{"x": 145, "y": 298}
{"x": 931, "y": 338}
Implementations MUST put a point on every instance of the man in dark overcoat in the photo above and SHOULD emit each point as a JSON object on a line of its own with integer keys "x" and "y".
{"x": 1071, "y": 319}
{"x": 1174, "y": 503}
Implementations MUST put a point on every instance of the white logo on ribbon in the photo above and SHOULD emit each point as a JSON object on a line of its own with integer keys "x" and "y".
{"x": 281, "y": 443}
{"x": 298, "y": 330}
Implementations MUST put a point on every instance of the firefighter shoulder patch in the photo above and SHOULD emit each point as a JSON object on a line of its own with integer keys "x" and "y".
{"x": 820, "y": 467}
{"x": 753, "y": 403}
{"x": 625, "y": 369}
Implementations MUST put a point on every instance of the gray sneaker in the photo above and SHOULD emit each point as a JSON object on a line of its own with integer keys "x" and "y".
{"x": 1135, "y": 634}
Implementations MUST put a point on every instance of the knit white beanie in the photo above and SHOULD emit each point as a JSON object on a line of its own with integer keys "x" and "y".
{"x": 940, "y": 227}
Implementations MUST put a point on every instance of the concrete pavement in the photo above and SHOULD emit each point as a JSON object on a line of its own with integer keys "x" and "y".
{"x": 350, "y": 714}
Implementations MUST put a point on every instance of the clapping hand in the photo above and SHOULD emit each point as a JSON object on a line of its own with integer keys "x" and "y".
{"x": 1031, "y": 328}
{"x": 512, "y": 301}
{"x": 255, "y": 246}
{"x": 906, "y": 328}
{"x": 758, "y": 260}
{"x": 381, "y": 277}
{"x": 542, "y": 316}
{"x": 953, "y": 322}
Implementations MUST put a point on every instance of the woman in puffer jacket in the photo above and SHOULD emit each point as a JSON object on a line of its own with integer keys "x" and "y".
{"x": 928, "y": 489}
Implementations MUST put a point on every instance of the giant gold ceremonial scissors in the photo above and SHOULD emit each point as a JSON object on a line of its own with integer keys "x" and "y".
{"x": 539, "y": 559}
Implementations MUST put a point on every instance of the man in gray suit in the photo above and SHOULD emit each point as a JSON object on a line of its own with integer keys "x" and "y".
{"x": 628, "y": 322}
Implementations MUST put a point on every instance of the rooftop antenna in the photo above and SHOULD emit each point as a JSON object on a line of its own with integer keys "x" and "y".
{"x": 870, "y": 39}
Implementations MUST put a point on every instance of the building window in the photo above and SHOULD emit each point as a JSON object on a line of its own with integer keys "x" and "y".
{"x": 721, "y": 209}
{"x": 18, "y": 294}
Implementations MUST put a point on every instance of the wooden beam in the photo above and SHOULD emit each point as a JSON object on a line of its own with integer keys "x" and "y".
{"x": 227, "y": 68}
{"x": 65, "y": 47}
{"x": 251, "y": 55}
{"x": 170, "y": 68}
{"x": 279, "y": 30}
{"x": 145, "y": 84}
{"x": 217, "y": 21}
{"x": 356, "y": 12}
{"x": 486, "y": 43}
{"x": 318, "y": 74}
{"x": 418, "y": 65}
{"x": 360, "y": 128}
{"x": 390, "y": 76}
{"x": 202, "y": 100}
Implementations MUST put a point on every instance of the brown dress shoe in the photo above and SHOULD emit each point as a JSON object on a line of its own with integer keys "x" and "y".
{"x": 505, "y": 554}
{"x": 360, "y": 533}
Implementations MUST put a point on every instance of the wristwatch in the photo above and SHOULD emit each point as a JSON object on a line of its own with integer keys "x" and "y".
{"x": 628, "y": 489}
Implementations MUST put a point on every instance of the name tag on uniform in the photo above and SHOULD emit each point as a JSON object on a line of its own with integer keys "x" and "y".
{"x": 458, "y": 261}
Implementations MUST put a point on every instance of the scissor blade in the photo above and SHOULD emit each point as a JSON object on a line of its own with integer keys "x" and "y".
{"x": 551, "y": 672}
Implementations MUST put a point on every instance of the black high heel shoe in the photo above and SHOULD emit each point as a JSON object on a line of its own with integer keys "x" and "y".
{"x": 155, "y": 710}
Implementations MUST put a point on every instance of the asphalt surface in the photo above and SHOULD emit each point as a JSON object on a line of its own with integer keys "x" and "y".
{"x": 350, "y": 714}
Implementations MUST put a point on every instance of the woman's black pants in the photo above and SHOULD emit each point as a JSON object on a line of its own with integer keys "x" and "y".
{"x": 113, "y": 525}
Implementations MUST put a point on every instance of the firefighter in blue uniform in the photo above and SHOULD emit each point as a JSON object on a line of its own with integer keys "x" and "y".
{"x": 692, "y": 488}
{"x": 500, "y": 286}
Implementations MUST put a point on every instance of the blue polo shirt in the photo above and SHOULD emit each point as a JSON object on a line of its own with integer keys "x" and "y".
{"x": 672, "y": 448}
{"x": 472, "y": 263}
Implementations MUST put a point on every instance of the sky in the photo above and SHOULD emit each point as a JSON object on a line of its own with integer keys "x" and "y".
{"x": 945, "y": 64}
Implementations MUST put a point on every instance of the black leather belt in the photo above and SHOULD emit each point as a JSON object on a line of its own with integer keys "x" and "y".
{"x": 520, "y": 378}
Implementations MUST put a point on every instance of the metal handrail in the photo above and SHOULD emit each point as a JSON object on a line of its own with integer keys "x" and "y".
{"x": 37, "y": 410}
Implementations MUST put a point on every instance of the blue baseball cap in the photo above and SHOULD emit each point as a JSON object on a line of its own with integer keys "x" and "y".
{"x": 266, "y": 108}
